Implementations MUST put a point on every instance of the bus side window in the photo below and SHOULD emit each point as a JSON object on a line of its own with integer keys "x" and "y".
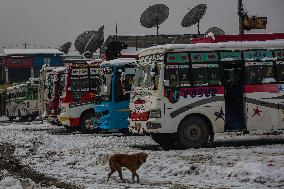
{"x": 213, "y": 75}
{"x": 280, "y": 71}
{"x": 267, "y": 74}
{"x": 184, "y": 76}
{"x": 171, "y": 74}
{"x": 199, "y": 75}
{"x": 251, "y": 75}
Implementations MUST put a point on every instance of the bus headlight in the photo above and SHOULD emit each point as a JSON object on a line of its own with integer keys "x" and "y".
{"x": 155, "y": 113}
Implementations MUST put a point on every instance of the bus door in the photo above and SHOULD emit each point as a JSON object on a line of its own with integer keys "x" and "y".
{"x": 122, "y": 86}
{"x": 233, "y": 95}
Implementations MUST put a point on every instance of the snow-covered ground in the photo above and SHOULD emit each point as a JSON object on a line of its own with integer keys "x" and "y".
{"x": 82, "y": 159}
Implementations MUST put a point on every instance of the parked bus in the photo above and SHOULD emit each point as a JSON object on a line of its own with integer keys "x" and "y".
{"x": 112, "y": 111}
{"x": 81, "y": 84}
{"x": 44, "y": 89}
{"x": 186, "y": 93}
{"x": 22, "y": 100}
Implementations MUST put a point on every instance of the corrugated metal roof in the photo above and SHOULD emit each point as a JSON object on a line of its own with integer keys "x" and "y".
{"x": 9, "y": 52}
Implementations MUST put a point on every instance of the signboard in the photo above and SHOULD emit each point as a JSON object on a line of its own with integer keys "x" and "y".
{"x": 20, "y": 62}
{"x": 279, "y": 54}
{"x": 204, "y": 57}
{"x": 254, "y": 22}
{"x": 257, "y": 55}
{"x": 79, "y": 72}
{"x": 177, "y": 58}
{"x": 230, "y": 56}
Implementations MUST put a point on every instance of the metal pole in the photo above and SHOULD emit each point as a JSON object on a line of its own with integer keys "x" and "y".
{"x": 157, "y": 34}
{"x": 240, "y": 13}
{"x": 198, "y": 29}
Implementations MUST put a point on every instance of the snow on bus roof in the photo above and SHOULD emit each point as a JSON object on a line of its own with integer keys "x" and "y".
{"x": 239, "y": 45}
{"x": 59, "y": 69}
{"x": 119, "y": 62}
{"x": 93, "y": 61}
{"x": 9, "y": 52}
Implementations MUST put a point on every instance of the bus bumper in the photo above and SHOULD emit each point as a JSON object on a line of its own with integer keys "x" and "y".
{"x": 68, "y": 121}
{"x": 144, "y": 127}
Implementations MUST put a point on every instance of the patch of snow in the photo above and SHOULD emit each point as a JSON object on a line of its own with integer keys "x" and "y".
{"x": 83, "y": 159}
{"x": 10, "y": 183}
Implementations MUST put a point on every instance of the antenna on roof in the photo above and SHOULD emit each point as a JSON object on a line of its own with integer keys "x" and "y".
{"x": 194, "y": 16}
{"x": 65, "y": 47}
{"x": 154, "y": 16}
{"x": 89, "y": 41}
{"x": 215, "y": 31}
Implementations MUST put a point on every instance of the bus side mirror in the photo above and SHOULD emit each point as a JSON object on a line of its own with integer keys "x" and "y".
{"x": 166, "y": 83}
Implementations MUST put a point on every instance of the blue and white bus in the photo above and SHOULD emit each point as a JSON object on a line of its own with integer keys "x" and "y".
{"x": 112, "y": 110}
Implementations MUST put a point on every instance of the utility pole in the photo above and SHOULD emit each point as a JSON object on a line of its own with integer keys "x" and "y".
{"x": 241, "y": 16}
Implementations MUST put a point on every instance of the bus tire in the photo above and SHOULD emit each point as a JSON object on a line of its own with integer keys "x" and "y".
{"x": 33, "y": 117}
{"x": 164, "y": 139}
{"x": 11, "y": 118}
{"x": 124, "y": 131}
{"x": 21, "y": 118}
{"x": 193, "y": 132}
{"x": 87, "y": 123}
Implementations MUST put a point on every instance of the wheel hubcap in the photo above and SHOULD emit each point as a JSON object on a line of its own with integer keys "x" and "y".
{"x": 89, "y": 123}
{"x": 193, "y": 132}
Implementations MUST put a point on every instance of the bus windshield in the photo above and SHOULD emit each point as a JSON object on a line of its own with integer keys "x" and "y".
{"x": 147, "y": 77}
{"x": 106, "y": 88}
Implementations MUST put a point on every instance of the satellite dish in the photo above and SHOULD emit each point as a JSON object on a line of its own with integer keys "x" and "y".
{"x": 65, "y": 47}
{"x": 154, "y": 16}
{"x": 194, "y": 16}
{"x": 215, "y": 31}
{"x": 90, "y": 41}
{"x": 114, "y": 48}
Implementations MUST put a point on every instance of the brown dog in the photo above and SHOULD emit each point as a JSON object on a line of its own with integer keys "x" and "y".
{"x": 131, "y": 162}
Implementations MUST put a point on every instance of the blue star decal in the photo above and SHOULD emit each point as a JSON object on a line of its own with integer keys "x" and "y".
{"x": 220, "y": 115}
{"x": 280, "y": 88}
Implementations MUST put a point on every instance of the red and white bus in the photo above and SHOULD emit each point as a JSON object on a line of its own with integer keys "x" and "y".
{"x": 186, "y": 93}
{"x": 81, "y": 83}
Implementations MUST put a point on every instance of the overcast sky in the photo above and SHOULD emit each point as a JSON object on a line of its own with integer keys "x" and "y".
{"x": 51, "y": 23}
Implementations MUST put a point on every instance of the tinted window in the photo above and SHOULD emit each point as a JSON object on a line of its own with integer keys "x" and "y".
{"x": 177, "y": 70}
{"x": 205, "y": 75}
{"x": 122, "y": 86}
{"x": 280, "y": 71}
{"x": 79, "y": 80}
{"x": 259, "y": 72}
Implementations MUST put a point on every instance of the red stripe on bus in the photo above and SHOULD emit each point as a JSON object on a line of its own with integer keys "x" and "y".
{"x": 270, "y": 88}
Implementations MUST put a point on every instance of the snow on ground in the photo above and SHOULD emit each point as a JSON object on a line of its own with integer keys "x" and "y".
{"x": 83, "y": 159}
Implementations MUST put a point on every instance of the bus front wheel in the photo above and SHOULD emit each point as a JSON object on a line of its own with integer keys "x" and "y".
{"x": 11, "y": 118}
{"x": 164, "y": 139}
{"x": 87, "y": 123}
{"x": 193, "y": 132}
